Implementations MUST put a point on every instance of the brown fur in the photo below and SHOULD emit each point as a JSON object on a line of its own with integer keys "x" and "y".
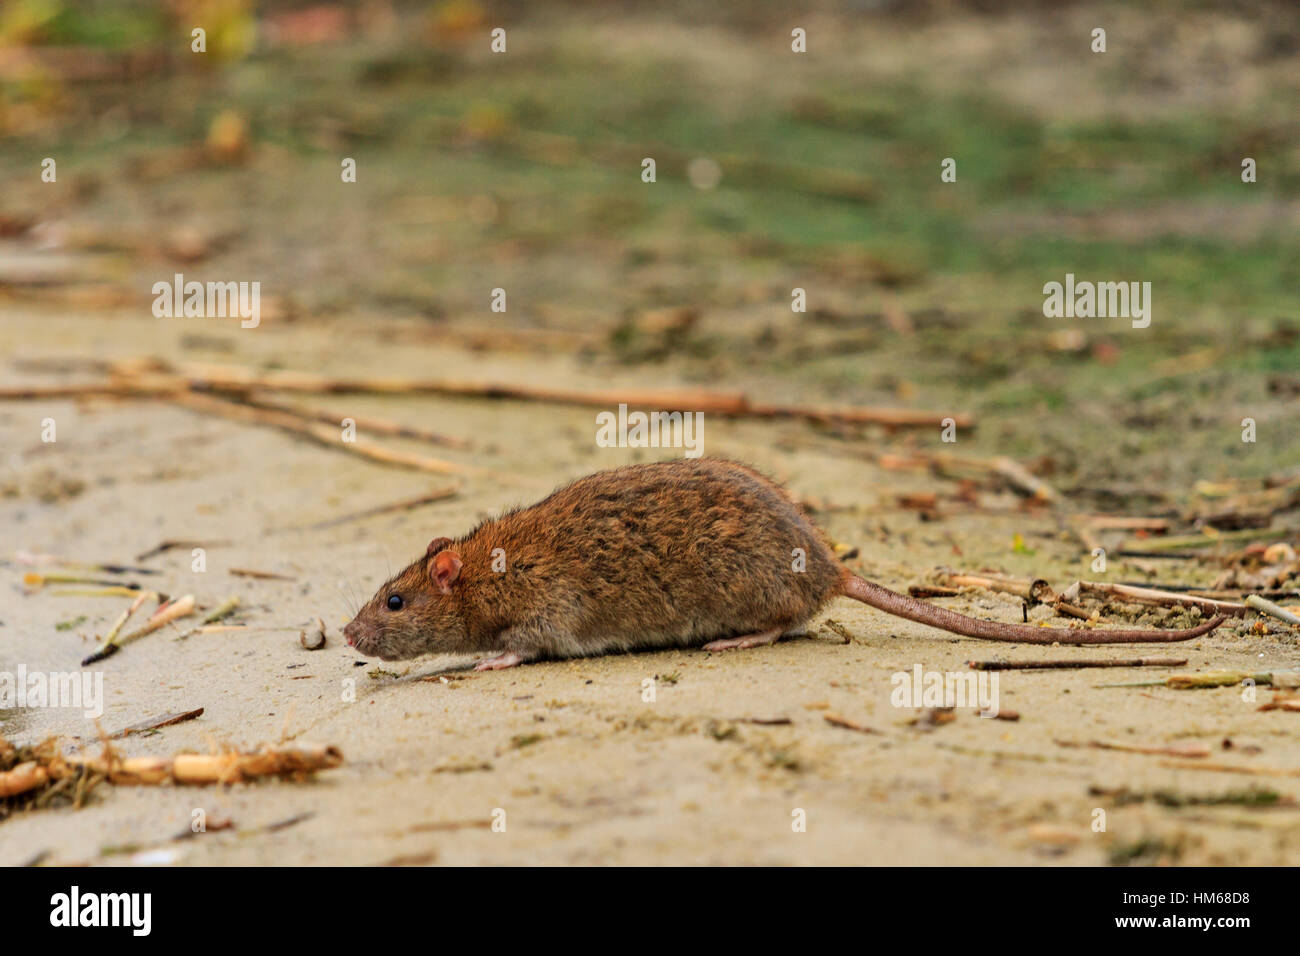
{"x": 671, "y": 554}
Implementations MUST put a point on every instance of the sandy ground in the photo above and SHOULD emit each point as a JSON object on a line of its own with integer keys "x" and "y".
{"x": 585, "y": 770}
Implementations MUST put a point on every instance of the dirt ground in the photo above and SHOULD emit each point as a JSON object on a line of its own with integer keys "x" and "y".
{"x": 585, "y": 770}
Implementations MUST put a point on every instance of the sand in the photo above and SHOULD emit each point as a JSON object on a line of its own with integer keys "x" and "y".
{"x": 567, "y": 762}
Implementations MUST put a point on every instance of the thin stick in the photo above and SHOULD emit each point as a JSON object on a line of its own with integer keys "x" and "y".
{"x": 1020, "y": 478}
{"x": 1273, "y": 610}
{"x": 1076, "y": 664}
{"x": 212, "y": 768}
{"x": 165, "y": 615}
{"x": 34, "y": 581}
{"x": 1164, "y": 598}
{"x": 932, "y": 591}
{"x": 1217, "y": 679}
{"x": 1009, "y": 470}
{"x": 439, "y": 494}
{"x": 321, "y": 434}
{"x": 377, "y": 426}
{"x": 208, "y": 376}
{"x": 1066, "y": 609}
{"x": 1283, "y": 701}
{"x": 38, "y": 560}
{"x": 117, "y": 590}
{"x": 835, "y": 720}
{"x": 226, "y": 608}
{"x": 103, "y": 650}
{"x": 204, "y": 375}
{"x": 1195, "y": 541}
{"x": 261, "y": 575}
{"x": 1232, "y": 768}
{"x": 1034, "y": 588}
{"x": 889, "y": 417}
{"x": 22, "y": 778}
{"x": 1125, "y": 523}
{"x": 166, "y": 720}
{"x": 168, "y": 545}
{"x": 122, "y": 388}
{"x": 1083, "y": 532}
{"x": 1184, "y": 750}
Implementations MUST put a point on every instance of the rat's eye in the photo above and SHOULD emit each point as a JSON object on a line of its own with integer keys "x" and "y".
{"x": 394, "y": 602}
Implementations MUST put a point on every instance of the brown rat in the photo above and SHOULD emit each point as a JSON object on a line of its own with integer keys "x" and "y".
{"x": 686, "y": 553}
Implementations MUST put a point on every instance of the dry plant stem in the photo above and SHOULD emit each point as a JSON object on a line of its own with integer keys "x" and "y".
{"x": 1232, "y": 768}
{"x": 1065, "y": 609}
{"x": 261, "y": 575}
{"x": 1032, "y": 588}
{"x": 124, "y": 388}
{"x": 439, "y": 826}
{"x": 109, "y": 645}
{"x": 200, "y": 375}
{"x": 1273, "y": 610}
{"x": 172, "y": 611}
{"x": 1186, "y": 750}
{"x": 1084, "y": 533}
{"x": 34, "y": 581}
{"x": 888, "y": 417}
{"x": 1124, "y": 523}
{"x": 1076, "y": 664}
{"x": 166, "y": 720}
{"x": 165, "y": 546}
{"x": 323, "y": 435}
{"x": 1009, "y": 470}
{"x": 375, "y": 426}
{"x": 835, "y": 720}
{"x": 1283, "y": 701}
{"x": 932, "y": 591}
{"x": 115, "y": 591}
{"x": 204, "y": 375}
{"x": 231, "y": 628}
{"x": 1019, "y": 478}
{"x": 213, "y": 768}
{"x": 235, "y": 767}
{"x": 222, "y": 610}
{"x": 1163, "y": 598}
{"x": 1217, "y": 679}
{"x": 439, "y": 494}
{"x": 165, "y": 615}
{"x": 1196, "y": 541}
{"x": 22, "y": 778}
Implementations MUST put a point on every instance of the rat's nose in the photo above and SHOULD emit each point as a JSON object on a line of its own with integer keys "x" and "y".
{"x": 350, "y": 632}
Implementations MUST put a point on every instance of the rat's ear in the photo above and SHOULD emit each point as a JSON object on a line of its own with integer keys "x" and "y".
{"x": 444, "y": 568}
{"x": 436, "y": 545}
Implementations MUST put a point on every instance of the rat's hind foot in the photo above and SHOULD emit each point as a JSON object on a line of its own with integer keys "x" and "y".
{"x": 746, "y": 640}
{"x": 500, "y": 662}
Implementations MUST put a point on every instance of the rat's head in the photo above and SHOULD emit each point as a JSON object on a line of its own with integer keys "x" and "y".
{"x": 417, "y": 612}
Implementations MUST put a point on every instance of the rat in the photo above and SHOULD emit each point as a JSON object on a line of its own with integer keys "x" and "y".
{"x": 694, "y": 552}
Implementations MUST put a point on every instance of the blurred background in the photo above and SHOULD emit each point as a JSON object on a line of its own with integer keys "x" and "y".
{"x": 775, "y": 170}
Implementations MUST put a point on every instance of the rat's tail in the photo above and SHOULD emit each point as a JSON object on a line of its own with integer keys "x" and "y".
{"x": 901, "y": 605}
